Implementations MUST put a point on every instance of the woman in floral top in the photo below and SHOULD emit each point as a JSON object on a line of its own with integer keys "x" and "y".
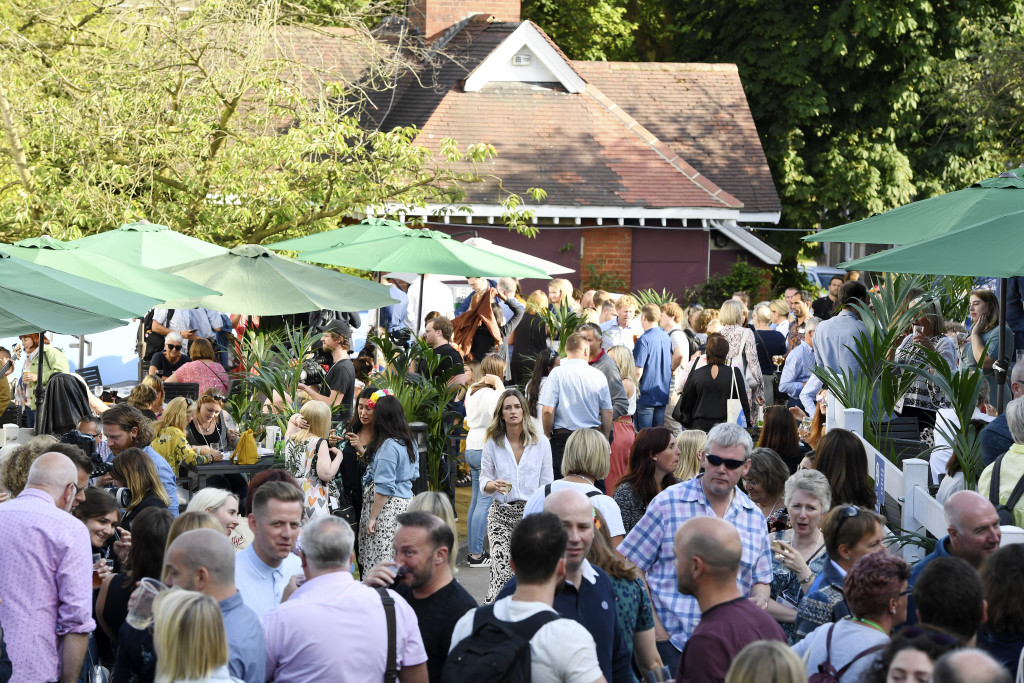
{"x": 924, "y": 398}
{"x": 171, "y": 442}
{"x": 743, "y": 345}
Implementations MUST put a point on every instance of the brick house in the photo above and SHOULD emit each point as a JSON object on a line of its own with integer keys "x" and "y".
{"x": 652, "y": 170}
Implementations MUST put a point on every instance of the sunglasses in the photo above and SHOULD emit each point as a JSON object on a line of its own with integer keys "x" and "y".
{"x": 848, "y": 512}
{"x": 728, "y": 462}
{"x": 176, "y": 347}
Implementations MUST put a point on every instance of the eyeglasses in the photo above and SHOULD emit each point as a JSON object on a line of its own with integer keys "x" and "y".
{"x": 77, "y": 488}
{"x": 174, "y": 347}
{"x": 728, "y": 462}
{"x": 218, "y": 397}
{"x": 908, "y": 591}
{"x": 748, "y": 482}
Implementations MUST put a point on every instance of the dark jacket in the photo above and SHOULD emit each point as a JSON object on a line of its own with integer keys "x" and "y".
{"x": 703, "y": 403}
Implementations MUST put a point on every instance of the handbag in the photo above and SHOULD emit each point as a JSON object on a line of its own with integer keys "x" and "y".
{"x": 245, "y": 452}
{"x": 733, "y": 406}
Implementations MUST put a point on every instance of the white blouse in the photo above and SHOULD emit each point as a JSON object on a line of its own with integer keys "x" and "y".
{"x": 531, "y": 473}
{"x": 480, "y": 407}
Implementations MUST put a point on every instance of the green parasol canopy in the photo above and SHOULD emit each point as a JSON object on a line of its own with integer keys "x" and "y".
{"x": 256, "y": 281}
{"x": 149, "y": 245}
{"x": 988, "y": 204}
{"x": 89, "y": 295}
{"x": 423, "y": 251}
{"x": 25, "y": 313}
{"x": 71, "y": 258}
{"x": 366, "y": 231}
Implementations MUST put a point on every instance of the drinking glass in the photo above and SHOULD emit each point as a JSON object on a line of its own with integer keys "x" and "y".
{"x": 141, "y": 614}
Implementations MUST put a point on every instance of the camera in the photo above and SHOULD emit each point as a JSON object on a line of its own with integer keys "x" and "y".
{"x": 122, "y": 495}
{"x": 314, "y": 367}
{"x": 88, "y": 444}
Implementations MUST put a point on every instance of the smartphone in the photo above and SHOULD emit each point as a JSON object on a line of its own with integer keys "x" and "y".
{"x": 117, "y": 535}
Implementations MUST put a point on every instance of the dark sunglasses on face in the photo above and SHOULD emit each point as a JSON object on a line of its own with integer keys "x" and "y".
{"x": 176, "y": 347}
{"x": 729, "y": 463}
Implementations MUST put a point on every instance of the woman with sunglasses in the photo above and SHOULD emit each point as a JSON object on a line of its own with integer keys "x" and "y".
{"x": 876, "y": 592}
{"x": 165, "y": 363}
{"x": 850, "y": 533}
{"x": 209, "y": 431}
{"x": 203, "y": 369}
{"x": 358, "y": 437}
{"x": 171, "y": 441}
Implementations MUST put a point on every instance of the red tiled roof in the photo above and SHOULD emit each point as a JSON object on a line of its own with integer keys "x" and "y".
{"x": 701, "y": 112}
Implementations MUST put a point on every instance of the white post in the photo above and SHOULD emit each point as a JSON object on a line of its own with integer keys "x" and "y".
{"x": 915, "y": 474}
{"x": 1012, "y": 534}
{"x": 834, "y": 414}
{"x": 853, "y": 420}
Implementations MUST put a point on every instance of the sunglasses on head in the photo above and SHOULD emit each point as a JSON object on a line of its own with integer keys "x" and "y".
{"x": 728, "y": 462}
{"x": 848, "y": 512}
{"x": 174, "y": 346}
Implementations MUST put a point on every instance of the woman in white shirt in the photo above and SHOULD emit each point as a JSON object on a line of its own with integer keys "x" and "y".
{"x": 480, "y": 403}
{"x": 516, "y": 462}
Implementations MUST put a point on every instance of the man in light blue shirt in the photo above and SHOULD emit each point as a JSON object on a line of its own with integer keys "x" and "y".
{"x": 652, "y": 356}
{"x": 798, "y": 367}
{"x": 264, "y": 568}
{"x": 623, "y": 328}
{"x": 575, "y": 396}
{"x": 203, "y": 560}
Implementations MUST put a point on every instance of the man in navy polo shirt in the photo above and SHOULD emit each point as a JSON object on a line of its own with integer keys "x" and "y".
{"x": 588, "y": 596}
{"x": 652, "y": 355}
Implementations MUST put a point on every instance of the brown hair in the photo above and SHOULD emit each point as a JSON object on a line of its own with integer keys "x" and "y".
{"x": 200, "y": 349}
{"x": 779, "y": 434}
{"x": 840, "y": 456}
{"x": 642, "y": 472}
{"x": 134, "y": 467}
{"x": 1002, "y": 574}
{"x": 987, "y": 297}
{"x": 674, "y": 311}
{"x": 603, "y": 554}
{"x": 443, "y": 325}
{"x": 128, "y": 418}
{"x": 717, "y": 349}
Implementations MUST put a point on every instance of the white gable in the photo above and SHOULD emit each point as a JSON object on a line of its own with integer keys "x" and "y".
{"x": 525, "y": 57}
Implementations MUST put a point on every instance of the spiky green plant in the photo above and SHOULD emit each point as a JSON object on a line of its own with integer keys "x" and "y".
{"x": 562, "y": 322}
{"x": 650, "y": 296}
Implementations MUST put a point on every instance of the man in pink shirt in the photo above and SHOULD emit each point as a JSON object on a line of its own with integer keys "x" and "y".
{"x": 46, "y": 576}
{"x": 333, "y": 627}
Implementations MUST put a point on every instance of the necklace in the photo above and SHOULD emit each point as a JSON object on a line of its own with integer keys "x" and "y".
{"x": 580, "y": 476}
{"x": 868, "y": 622}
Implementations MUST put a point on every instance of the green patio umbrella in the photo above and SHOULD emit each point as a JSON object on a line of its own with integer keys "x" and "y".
{"x": 991, "y": 202}
{"x": 366, "y": 231}
{"x": 423, "y": 251}
{"x": 256, "y": 281}
{"x": 24, "y": 313}
{"x": 149, "y": 245}
{"x": 71, "y": 258}
{"x": 84, "y": 293}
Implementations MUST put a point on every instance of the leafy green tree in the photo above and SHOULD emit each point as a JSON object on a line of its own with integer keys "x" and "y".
{"x": 850, "y": 120}
{"x": 585, "y": 29}
{"x": 213, "y": 117}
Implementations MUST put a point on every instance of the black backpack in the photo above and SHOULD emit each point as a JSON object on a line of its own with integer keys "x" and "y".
{"x": 1005, "y": 511}
{"x": 496, "y": 651}
{"x": 154, "y": 340}
{"x": 827, "y": 673}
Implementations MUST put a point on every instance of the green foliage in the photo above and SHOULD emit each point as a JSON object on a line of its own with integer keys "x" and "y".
{"x": 599, "y": 278}
{"x": 561, "y": 323}
{"x": 423, "y": 400}
{"x": 590, "y": 30}
{"x": 209, "y": 120}
{"x": 741, "y": 277}
{"x": 953, "y": 294}
{"x": 650, "y": 296}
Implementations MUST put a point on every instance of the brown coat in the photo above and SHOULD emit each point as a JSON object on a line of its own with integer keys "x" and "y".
{"x": 464, "y": 326}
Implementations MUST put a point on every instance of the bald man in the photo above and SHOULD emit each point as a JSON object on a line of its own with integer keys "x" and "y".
{"x": 969, "y": 666}
{"x": 204, "y": 560}
{"x": 972, "y": 525}
{"x": 708, "y": 551}
{"x": 587, "y": 596}
{"x": 46, "y": 575}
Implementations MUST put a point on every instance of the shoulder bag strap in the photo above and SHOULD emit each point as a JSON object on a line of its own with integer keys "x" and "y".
{"x": 859, "y": 655}
{"x": 316, "y": 452}
{"x": 1018, "y": 491}
{"x": 391, "y": 672}
{"x": 547, "y": 490}
{"x": 732, "y": 387}
{"x": 993, "y": 484}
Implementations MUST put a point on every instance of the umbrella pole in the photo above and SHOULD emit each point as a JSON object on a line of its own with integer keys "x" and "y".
{"x": 1000, "y": 360}
{"x": 39, "y": 379}
{"x": 419, "y": 314}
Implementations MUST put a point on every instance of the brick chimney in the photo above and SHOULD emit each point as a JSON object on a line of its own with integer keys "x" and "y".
{"x": 431, "y": 17}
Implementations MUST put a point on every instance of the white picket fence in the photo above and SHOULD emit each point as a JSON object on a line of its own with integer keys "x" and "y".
{"x": 909, "y": 486}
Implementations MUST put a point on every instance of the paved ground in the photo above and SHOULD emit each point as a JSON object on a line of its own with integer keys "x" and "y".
{"x": 474, "y": 580}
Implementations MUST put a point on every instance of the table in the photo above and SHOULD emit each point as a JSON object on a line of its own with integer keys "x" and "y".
{"x": 199, "y": 473}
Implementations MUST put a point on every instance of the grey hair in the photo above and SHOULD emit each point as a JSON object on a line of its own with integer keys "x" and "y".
{"x": 508, "y": 284}
{"x": 729, "y": 434}
{"x": 591, "y": 327}
{"x": 173, "y": 337}
{"x": 327, "y": 543}
{"x": 52, "y": 470}
{"x": 1015, "y": 419}
{"x": 813, "y": 483}
{"x": 811, "y": 324}
{"x": 763, "y": 313}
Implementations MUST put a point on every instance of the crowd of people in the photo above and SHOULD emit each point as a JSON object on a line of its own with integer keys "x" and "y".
{"x": 631, "y": 528}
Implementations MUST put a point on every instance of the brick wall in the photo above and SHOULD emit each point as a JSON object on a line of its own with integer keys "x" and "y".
{"x": 432, "y": 17}
{"x": 610, "y": 250}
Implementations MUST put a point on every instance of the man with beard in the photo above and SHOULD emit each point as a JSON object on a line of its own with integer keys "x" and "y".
{"x": 707, "y": 557}
{"x": 974, "y": 534}
{"x": 423, "y": 546}
{"x": 801, "y": 312}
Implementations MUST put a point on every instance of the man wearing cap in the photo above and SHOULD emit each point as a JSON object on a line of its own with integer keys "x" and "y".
{"x": 340, "y": 381}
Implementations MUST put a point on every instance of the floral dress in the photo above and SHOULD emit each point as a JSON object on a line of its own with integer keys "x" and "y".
{"x": 298, "y": 460}
{"x": 744, "y": 337}
{"x": 785, "y": 587}
{"x": 172, "y": 444}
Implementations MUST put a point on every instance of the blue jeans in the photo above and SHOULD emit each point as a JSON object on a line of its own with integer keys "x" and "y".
{"x": 648, "y": 416}
{"x": 476, "y": 524}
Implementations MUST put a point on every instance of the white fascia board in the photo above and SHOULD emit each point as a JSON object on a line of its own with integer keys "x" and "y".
{"x": 743, "y": 238}
{"x": 526, "y": 35}
{"x": 764, "y": 217}
{"x": 582, "y": 212}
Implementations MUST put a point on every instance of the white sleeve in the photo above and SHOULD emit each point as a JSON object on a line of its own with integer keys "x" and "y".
{"x": 569, "y": 649}
{"x": 610, "y": 509}
{"x": 463, "y": 627}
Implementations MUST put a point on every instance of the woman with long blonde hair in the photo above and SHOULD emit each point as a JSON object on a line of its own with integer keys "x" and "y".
{"x": 171, "y": 442}
{"x": 190, "y": 640}
{"x": 516, "y": 462}
{"x": 623, "y": 430}
{"x": 691, "y": 444}
{"x": 310, "y": 458}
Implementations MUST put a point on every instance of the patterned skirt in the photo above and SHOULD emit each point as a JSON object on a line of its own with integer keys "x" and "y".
{"x": 377, "y": 547}
{"x": 501, "y": 520}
